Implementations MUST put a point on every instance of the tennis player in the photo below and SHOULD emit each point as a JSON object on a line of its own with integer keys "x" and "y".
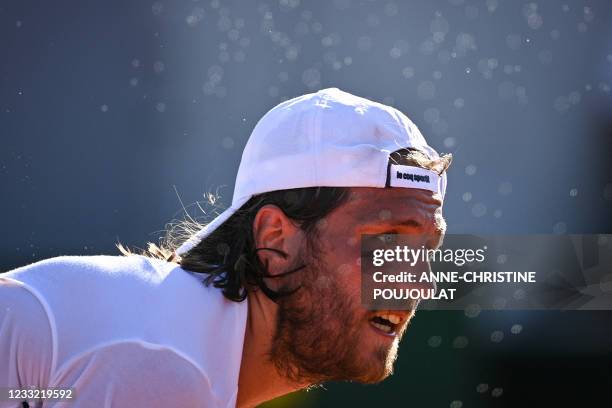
{"x": 262, "y": 301}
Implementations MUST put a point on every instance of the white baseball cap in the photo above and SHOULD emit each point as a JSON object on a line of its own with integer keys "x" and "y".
{"x": 330, "y": 138}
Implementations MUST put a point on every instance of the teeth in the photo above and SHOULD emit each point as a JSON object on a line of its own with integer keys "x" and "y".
{"x": 382, "y": 327}
{"x": 395, "y": 319}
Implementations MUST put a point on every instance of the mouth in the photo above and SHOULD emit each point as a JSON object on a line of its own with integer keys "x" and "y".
{"x": 387, "y": 323}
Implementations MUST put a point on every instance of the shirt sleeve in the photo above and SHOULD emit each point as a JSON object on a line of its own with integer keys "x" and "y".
{"x": 26, "y": 341}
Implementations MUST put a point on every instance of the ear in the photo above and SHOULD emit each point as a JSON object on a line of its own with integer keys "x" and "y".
{"x": 273, "y": 229}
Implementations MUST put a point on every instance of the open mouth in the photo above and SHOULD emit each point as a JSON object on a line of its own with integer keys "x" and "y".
{"x": 386, "y": 322}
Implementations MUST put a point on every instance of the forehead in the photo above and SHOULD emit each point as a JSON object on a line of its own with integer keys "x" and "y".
{"x": 370, "y": 204}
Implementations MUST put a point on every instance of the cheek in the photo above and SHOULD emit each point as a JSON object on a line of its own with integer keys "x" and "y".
{"x": 348, "y": 278}
{"x": 341, "y": 261}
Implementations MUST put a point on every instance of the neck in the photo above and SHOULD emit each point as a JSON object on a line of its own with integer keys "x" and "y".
{"x": 259, "y": 381}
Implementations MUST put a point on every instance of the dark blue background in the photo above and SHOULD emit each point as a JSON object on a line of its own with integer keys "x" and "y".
{"x": 107, "y": 107}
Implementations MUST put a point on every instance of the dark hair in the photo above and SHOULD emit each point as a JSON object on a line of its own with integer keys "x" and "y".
{"x": 228, "y": 255}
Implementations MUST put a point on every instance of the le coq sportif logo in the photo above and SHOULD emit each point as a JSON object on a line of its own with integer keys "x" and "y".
{"x": 412, "y": 177}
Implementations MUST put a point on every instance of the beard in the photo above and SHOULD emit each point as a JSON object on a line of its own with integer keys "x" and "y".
{"x": 321, "y": 332}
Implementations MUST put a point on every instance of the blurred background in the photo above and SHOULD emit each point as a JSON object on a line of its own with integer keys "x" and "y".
{"x": 117, "y": 116}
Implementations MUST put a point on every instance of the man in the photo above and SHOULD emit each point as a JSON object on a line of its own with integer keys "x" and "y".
{"x": 262, "y": 301}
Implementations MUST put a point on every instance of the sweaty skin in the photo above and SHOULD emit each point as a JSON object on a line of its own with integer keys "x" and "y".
{"x": 339, "y": 342}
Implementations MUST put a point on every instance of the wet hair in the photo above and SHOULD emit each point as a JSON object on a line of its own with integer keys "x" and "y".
{"x": 228, "y": 258}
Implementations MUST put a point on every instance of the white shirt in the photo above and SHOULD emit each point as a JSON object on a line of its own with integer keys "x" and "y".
{"x": 121, "y": 331}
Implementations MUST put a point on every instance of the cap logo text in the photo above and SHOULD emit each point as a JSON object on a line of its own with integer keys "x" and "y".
{"x": 412, "y": 177}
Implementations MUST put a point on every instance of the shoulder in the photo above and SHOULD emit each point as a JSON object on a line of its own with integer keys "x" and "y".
{"x": 86, "y": 268}
{"x": 135, "y": 308}
{"x": 90, "y": 281}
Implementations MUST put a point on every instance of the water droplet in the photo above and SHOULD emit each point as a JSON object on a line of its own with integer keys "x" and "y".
{"x": 434, "y": 341}
{"x": 426, "y": 90}
{"x": 463, "y": 43}
{"x": 492, "y": 5}
{"x": 408, "y": 72}
{"x": 497, "y": 336}
{"x": 560, "y": 228}
{"x": 311, "y": 77}
{"x": 432, "y": 115}
{"x": 479, "y": 210}
{"x": 555, "y": 34}
{"x": 159, "y": 67}
{"x": 535, "y": 21}
{"x": 519, "y": 294}
{"x": 574, "y": 97}
{"x": 499, "y": 303}
{"x": 482, "y": 388}
{"x": 450, "y": 142}
{"x": 157, "y": 8}
{"x": 588, "y": 14}
{"x": 395, "y": 52}
{"x": 460, "y": 342}
{"x": 472, "y": 310}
